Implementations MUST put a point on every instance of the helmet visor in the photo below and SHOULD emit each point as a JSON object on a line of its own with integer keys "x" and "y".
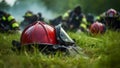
{"x": 65, "y": 36}
{"x": 62, "y": 36}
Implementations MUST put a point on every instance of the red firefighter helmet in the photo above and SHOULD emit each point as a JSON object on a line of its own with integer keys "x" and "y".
{"x": 97, "y": 28}
{"x": 38, "y": 33}
{"x": 41, "y": 33}
{"x": 111, "y": 13}
{"x": 48, "y": 39}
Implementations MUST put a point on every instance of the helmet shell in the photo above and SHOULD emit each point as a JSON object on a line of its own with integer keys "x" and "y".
{"x": 97, "y": 28}
{"x": 111, "y": 13}
{"x": 28, "y": 14}
{"x": 38, "y": 33}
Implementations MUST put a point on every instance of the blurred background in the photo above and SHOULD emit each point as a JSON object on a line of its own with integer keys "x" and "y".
{"x": 52, "y": 8}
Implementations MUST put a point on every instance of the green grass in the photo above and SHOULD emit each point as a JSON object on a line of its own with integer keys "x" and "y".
{"x": 103, "y": 52}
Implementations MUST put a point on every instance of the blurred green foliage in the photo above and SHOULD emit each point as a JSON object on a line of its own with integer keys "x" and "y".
{"x": 61, "y": 6}
{"x": 4, "y": 5}
{"x": 89, "y": 6}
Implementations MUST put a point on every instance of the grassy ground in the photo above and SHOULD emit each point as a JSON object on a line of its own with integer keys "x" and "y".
{"x": 103, "y": 52}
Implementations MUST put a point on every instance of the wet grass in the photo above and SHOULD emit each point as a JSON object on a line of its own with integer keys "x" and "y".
{"x": 102, "y": 50}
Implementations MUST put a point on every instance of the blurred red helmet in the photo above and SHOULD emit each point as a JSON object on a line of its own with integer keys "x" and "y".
{"x": 111, "y": 13}
{"x": 38, "y": 33}
{"x": 97, "y": 28}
